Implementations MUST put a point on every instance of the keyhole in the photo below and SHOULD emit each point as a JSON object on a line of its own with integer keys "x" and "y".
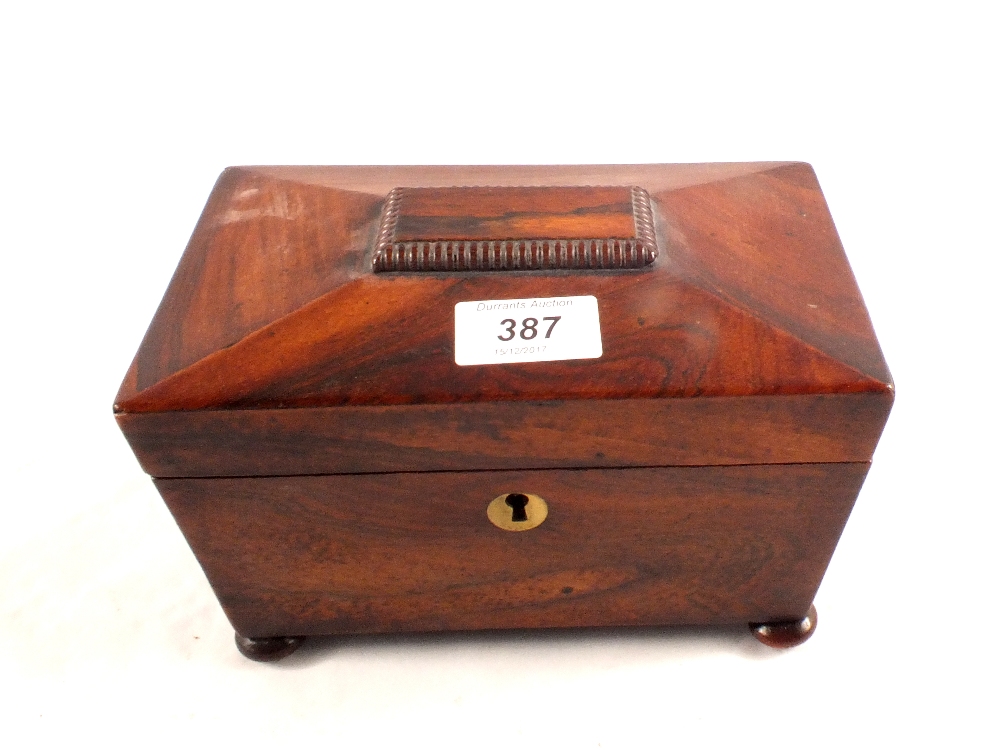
{"x": 517, "y": 502}
{"x": 509, "y": 511}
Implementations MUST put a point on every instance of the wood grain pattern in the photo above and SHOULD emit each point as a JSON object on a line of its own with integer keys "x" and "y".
{"x": 675, "y": 329}
{"x": 508, "y": 435}
{"x": 402, "y": 552}
{"x": 261, "y": 250}
{"x": 375, "y": 343}
{"x": 512, "y": 213}
{"x": 330, "y": 464}
{"x": 515, "y": 229}
{"x": 768, "y": 244}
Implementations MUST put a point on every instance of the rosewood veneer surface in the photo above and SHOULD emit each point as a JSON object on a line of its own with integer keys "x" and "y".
{"x": 397, "y": 552}
{"x": 298, "y": 401}
{"x": 274, "y": 305}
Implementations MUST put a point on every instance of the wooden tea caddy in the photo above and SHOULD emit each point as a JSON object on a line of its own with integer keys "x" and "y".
{"x": 298, "y": 402}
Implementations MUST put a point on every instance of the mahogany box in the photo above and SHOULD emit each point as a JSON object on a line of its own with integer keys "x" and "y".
{"x": 386, "y": 399}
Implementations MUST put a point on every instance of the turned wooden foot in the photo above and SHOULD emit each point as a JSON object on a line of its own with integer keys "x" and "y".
{"x": 785, "y": 634}
{"x": 267, "y": 649}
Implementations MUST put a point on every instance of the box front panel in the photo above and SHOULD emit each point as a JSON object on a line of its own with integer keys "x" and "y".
{"x": 416, "y": 551}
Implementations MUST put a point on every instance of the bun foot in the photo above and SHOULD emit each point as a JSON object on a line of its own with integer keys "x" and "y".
{"x": 267, "y": 649}
{"x": 785, "y": 634}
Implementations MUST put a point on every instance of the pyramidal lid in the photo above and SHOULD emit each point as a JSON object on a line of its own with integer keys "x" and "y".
{"x": 328, "y": 286}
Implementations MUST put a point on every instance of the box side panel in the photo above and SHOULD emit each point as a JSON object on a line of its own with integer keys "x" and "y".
{"x": 509, "y": 435}
{"x": 416, "y": 552}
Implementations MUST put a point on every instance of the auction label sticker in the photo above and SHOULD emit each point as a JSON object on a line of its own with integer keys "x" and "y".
{"x": 536, "y": 329}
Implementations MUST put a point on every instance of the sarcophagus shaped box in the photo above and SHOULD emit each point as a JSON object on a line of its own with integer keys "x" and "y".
{"x": 383, "y": 399}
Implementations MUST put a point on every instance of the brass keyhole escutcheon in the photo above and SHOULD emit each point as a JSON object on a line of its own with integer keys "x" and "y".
{"x": 517, "y": 511}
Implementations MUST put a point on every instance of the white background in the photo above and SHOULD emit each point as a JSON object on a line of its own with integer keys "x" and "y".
{"x": 115, "y": 122}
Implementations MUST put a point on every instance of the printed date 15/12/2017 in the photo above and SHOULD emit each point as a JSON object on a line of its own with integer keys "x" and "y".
{"x": 519, "y": 350}
{"x": 529, "y": 328}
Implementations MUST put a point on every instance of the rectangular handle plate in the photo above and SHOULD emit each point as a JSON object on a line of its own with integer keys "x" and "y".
{"x": 515, "y": 229}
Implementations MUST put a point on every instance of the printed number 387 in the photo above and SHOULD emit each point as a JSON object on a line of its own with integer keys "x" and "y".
{"x": 529, "y": 328}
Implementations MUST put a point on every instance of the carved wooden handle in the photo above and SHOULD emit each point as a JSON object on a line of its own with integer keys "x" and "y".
{"x": 515, "y": 229}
